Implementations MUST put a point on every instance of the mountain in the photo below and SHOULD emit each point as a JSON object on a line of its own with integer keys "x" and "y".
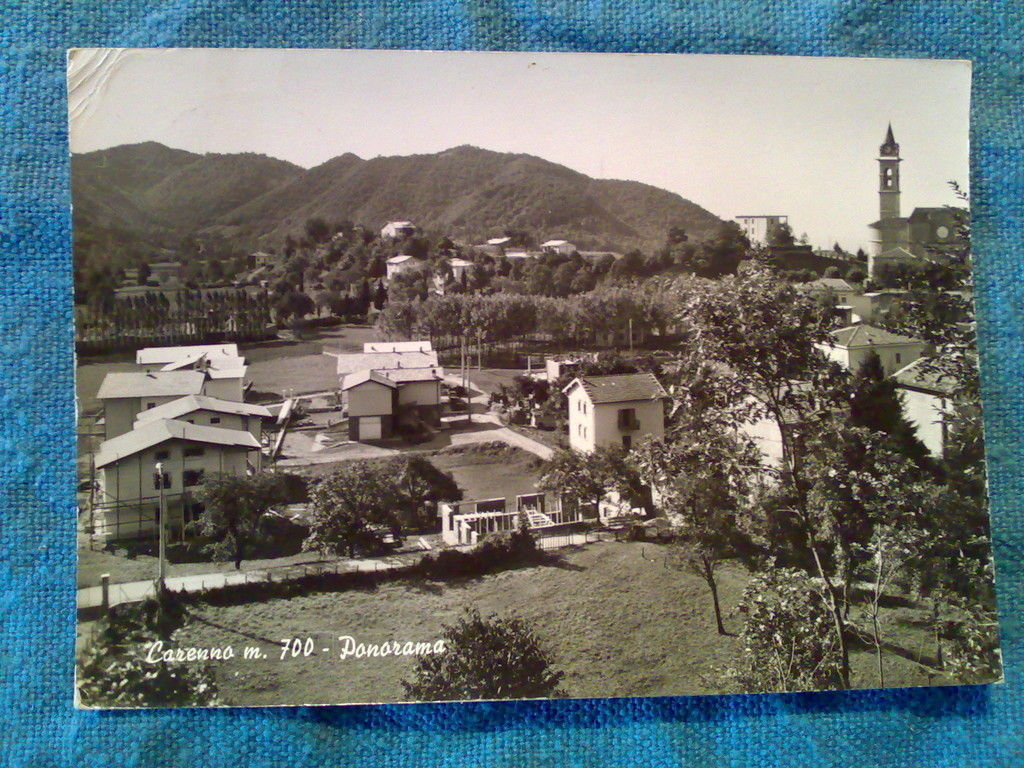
{"x": 149, "y": 193}
{"x": 472, "y": 194}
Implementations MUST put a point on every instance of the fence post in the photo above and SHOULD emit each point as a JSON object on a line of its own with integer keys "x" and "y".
{"x": 105, "y": 591}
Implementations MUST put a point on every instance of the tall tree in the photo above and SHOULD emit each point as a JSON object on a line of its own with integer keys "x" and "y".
{"x": 352, "y": 508}
{"x": 235, "y": 505}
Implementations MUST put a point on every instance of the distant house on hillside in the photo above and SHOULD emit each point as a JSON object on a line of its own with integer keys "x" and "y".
{"x": 459, "y": 267}
{"x": 759, "y": 229}
{"x": 851, "y": 346}
{"x": 396, "y": 265}
{"x": 521, "y": 255}
{"x": 263, "y": 259}
{"x": 397, "y": 230}
{"x": 501, "y": 242}
{"x": 558, "y": 247}
{"x": 614, "y": 411}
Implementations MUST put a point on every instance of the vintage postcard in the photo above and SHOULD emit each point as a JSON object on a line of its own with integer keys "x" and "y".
{"x": 423, "y": 376}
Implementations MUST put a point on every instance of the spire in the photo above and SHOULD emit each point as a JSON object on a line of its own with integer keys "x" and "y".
{"x": 889, "y": 147}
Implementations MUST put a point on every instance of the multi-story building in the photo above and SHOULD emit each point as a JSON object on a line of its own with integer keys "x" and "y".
{"x": 614, "y": 411}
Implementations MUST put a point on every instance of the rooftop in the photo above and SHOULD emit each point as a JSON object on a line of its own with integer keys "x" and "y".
{"x": 156, "y": 384}
{"x": 924, "y": 374}
{"x": 161, "y": 355}
{"x": 397, "y": 346}
{"x": 157, "y": 432}
{"x": 869, "y": 336}
{"x": 193, "y": 403}
{"x": 620, "y": 388}
{"x": 361, "y": 377}
{"x": 383, "y": 361}
{"x": 402, "y": 259}
{"x": 830, "y": 284}
{"x": 407, "y": 375}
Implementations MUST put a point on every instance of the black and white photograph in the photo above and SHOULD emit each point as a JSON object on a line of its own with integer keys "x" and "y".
{"x": 413, "y": 376}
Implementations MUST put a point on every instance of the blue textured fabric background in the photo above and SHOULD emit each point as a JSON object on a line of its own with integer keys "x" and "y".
{"x": 38, "y": 726}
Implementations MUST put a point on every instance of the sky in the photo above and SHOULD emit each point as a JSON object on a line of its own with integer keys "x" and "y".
{"x": 738, "y": 135}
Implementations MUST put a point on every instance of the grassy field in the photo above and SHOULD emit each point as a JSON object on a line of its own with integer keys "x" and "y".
{"x": 614, "y": 619}
{"x": 302, "y": 373}
{"x": 489, "y": 470}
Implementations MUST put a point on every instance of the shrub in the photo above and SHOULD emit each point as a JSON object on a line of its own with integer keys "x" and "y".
{"x": 113, "y": 671}
{"x": 788, "y": 642}
{"x": 492, "y": 658}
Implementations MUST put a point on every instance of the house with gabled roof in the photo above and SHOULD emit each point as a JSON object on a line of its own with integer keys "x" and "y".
{"x": 377, "y": 400}
{"x": 128, "y": 486}
{"x": 852, "y": 345}
{"x": 558, "y": 247}
{"x": 124, "y": 394}
{"x": 209, "y": 411}
{"x": 614, "y": 411}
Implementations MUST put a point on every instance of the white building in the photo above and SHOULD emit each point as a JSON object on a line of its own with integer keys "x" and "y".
{"x": 396, "y": 230}
{"x": 128, "y": 487}
{"x": 926, "y": 396}
{"x": 759, "y": 229}
{"x": 396, "y": 265}
{"x": 558, "y": 247}
{"x": 851, "y": 346}
{"x": 614, "y": 411}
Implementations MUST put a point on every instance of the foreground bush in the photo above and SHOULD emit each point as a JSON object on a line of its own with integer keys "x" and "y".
{"x": 114, "y": 671}
{"x": 492, "y": 658}
{"x": 788, "y": 641}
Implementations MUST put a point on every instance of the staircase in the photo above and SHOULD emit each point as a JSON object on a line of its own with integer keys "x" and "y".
{"x": 537, "y": 519}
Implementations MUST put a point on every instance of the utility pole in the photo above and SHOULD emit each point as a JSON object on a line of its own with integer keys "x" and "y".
{"x": 162, "y": 527}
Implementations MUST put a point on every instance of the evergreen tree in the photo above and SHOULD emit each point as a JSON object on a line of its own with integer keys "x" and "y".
{"x": 876, "y": 404}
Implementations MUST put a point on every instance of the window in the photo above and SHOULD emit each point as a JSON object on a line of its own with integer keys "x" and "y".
{"x": 163, "y": 455}
{"x": 627, "y": 442}
{"x": 193, "y": 450}
{"x": 192, "y": 477}
{"x": 627, "y": 419}
{"x": 898, "y": 358}
{"x": 150, "y": 405}
{"x": 157, "y": 477}
{"x": 215, "y": 419}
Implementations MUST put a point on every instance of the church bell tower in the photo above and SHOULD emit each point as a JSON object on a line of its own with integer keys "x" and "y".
{"x": 889, "y": 178}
